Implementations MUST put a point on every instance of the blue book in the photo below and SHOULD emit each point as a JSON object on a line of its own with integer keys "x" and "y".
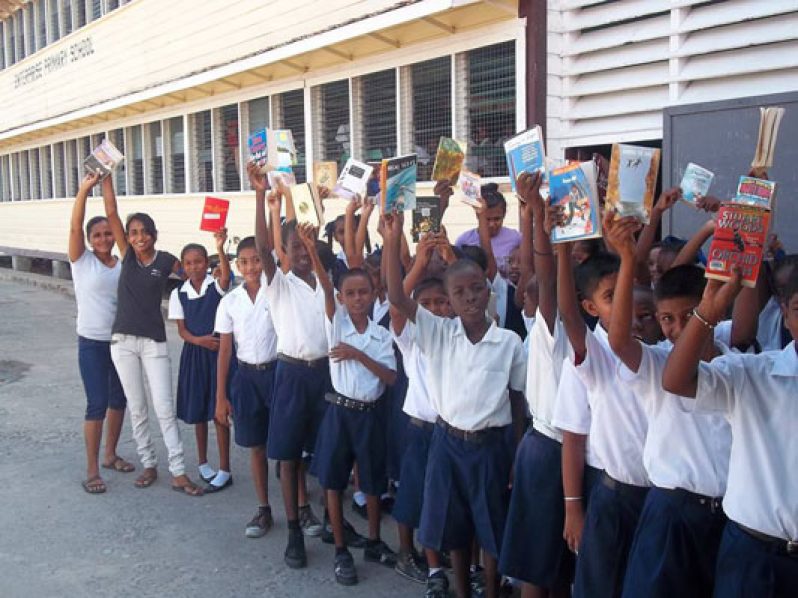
{"x": 525, "y": 153}
{"x": 398, "y": 183}
{"x": 574, "y": 188}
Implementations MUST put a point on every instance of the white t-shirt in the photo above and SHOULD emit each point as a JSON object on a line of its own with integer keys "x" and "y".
{"x": 95, "y": 293}
{"x": 250, "y": 323}
{"x": 299, "y": 315}
{"x": 572, "y": 410}
{"x": 417, "y": 402}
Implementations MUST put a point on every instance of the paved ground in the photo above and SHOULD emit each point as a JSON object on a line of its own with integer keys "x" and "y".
{"x": 55, "y": 540}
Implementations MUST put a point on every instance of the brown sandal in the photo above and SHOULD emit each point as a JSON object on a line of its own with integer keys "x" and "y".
{"x": 189, "y": 488}
{"x": 120, "y": 465}
{"x": 94, "y": 485}
{"x": 146, "y": 479}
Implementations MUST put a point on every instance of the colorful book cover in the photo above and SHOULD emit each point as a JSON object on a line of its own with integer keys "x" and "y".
{"x": 352, "y": 180}
{"x": 695, "y": 182}
{"x": 755, "y": 192}
{"x": 426, "y": 217}
{"x": 448, "y": 160}
{"x": 633, "y": 180}
{"x": 325, "y": 174}
{"x": 282, "y": 151}
{"x": 214, "y": 214}
{"x": 470, "y": 186}
{"x": 258, "y": 150}
{"x": 574, "y": 188}
{"x": 525, "y": 153}
{"x": 306, "y": 204}
{"x": 398, "y": 183}
{"x": 740, "y": 238}
{"x": 103, "y": 159}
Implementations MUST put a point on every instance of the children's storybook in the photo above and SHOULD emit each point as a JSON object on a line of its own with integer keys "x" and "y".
{"x": 769, "y": 121}
{"x": 755, "y": 192}
{"x": 426, "y": 217}
{"x": 525, "y": 153}
{"x": 695, "y": 182}
{"x": 448, "y": 160}
{"x": 214, "y": 214}
{"x": 306, "y": 204}
{"x": 574, "y": 188}
{"x": 272, "y": 149}
{"x": 352, "y": 180}
{"x": 325, "y": 174}
{"x": 398, "y": 183}
{"x": 633, "y": 180}
{"x": 739, "y": 239}
{"x": 103, "y": 159}
{"x": 468, "y": 186}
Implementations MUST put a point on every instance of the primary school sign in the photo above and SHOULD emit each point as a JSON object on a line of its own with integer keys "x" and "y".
{"x": 53, "y": 62}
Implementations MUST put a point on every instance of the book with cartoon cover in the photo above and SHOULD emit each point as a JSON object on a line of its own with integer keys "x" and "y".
{"x": 103, "y": 159}
{"x": 695, "y": 182}
{"x": 469, "y": 188}
{"x": 525, "y": 153}
{"x": 398, "y": 183}
{"x": 633, "y": 180}
{"x": 426, "y": 217}
{"x": 448, "y": 160}
{"x": 574, "y": 188}
{"x": 325, "y": 174}
{"x": 740, "y": 238}
{"x": 751, "y": 191}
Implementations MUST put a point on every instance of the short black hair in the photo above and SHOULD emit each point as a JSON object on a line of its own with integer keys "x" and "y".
{"x": 246, "y": 243}
{"x": 492, "y": 196}
{"x": 193, "y": 247}
{"x": 672, "y": 244}
{"x": 476, "y": 254}
{"x": 352, "y": 273}
{"x": 147, "y": 222}
{"x": 686, "y": 280}
{"x": 374, "y": 259}
{"x": 460, "y": 266}
{"x": 791, "y": 289}
{"x": 591, "y": 246}
{"x": 589, "y": 273}
{"x": 432, "y": 282}
{"x": 92, "y": 222}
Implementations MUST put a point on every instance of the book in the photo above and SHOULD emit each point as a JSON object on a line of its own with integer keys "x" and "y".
{"x": 602, "y": 175}
{"x": 574, "y": 188}
{"x": 306, "y": 204}
{"x": 426, "y": 217}
{"x": 695, "y": 182}
{"x": 448, "y": 160}
{"x": 103, "y": 159}
{"x": 272, "y": 149}
{"x": 632, "y": 180}
{"x": 352, "y": 180}
{"x": 469, "y": 188}
{"x": 398, "y": 183}
{"x": 214, "y": 214}
{"x": 287, "y": 177}
{"x": 740, "y": 238}
{"x": 325, "y": 174}
{"x": 769, "y": 122}
{"x": 755, "y": 192}
{"x": 525, "y": 153}
{"x": 258, "y": 150}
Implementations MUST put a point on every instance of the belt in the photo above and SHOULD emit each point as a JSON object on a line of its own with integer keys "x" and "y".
{"x": 779, "y": 545}
{"x": 313, "y": 363}
{"x": 420, "y": 423}
{"x": 343, "y": 401}
{"x": 714, "y": 504}
{"x": 266, "y": 365}
{"x": 623, "y": 488}
{"x": 476, "y": 436}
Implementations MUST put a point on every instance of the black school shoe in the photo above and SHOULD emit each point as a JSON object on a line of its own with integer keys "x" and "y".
{"x": 360, "y": 510}
{"x": 437, "y": 586}
{"x": 295, "y": 556}
{"x": 408, "y": 567}
{"x": 377, "y": 551}
{"x": 345, "y": 572}
{"x": 351, "y": 538}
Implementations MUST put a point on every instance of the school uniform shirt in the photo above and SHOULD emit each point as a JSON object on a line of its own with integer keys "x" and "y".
{"x": 501, "y": 289}
{"x": 758, "y": 394}
{"x": 468, "y": 381}
{"x": 417, "y": 401}
{"x": 618, "y": 418}
{"x": 350, "y": 377}
{"x": 572, "y": 409}
{"x": 250, "y": 323}
{"x": 95, "y": 294}
{"x": 547, "y": 352}
{"x": 176, "y": 308}
{"x": 299, "y": 316}
{"x": 379, "y": 309}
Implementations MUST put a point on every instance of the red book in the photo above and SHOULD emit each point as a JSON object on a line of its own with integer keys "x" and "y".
{"x": 740, "y": 238}
{"x": 214, "y": 214}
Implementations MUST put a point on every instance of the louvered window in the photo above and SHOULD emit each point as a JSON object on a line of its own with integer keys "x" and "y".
{"x": 41, "y": 24}
{"x": 254, "y": 116}
{"x": 34, "y": 173}
{"x": 227, "y": 150}
{"x": 59, "y": 169}
{"x": 73, "y": 169}
{"x": 136, "y": 160}
{"x": 5, "y": 178}
{"x": 374, "y": 103}
{"x": 2, "y": 45}
{"x": 175, "y": 153}
{"x": 155, "y": 158}
{"x": 46, "y": 169}
{"x": 30, "y": 29}
{"x": 55, "y": 21}
{"x": 16, "y": 180}
{"x": 80, "y": 13}
{"x": 290, "y": 110}
{"x": 332, "y": 139}
{"x": 96, "y": 9}
{"x": 24, "y": 175}
{"x": 201, "y": 152}
{"x": 66, "y": 17}
{"x": 117, "y": 137}
{"x": 19, "y": 37}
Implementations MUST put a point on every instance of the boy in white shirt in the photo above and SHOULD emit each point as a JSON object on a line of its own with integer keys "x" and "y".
{"x": 758, "y": 395}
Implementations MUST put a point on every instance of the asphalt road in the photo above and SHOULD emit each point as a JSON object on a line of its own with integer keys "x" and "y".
{"x": 56, "y": 540}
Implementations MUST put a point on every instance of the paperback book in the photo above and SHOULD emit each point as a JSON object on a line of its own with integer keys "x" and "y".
{"x": 769, "y": 122}
{"x": 352, "y": 180}
{"x": 695, "y": 182}
{"x": 398, "y": 183}
{"x": 286, "y": 177}
{"x": 258, "y": 150}
{"x": 574, "y": 188}
{"x": 103, "y": 159}
{"x": 306, "y": 204}
{"x": 272, "y": 149}
{"x": 325, "y": 174}
{"x": 469, "y": 188}
{"x": 448, "y": 160}
{"x": 633, "y": 180}
{"x": 755, "y": 192}
{"x": 525, "y": 153}
{"x": 214, "y": 214}
{"x": 426, "y": 217}
{"x": 740, "y": 238}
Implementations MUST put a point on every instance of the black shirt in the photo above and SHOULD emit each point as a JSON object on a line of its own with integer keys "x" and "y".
{"x": 141, "y": 289}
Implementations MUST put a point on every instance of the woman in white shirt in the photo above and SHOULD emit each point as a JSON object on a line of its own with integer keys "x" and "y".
{"x": 95, "y": 273}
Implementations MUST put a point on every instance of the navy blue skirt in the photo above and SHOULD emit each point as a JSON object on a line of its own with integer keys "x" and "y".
{"x": 196, "y": 384}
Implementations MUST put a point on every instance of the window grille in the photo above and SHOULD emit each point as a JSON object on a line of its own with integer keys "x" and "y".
{"x": 30, "y": 29}
{"x": 46, "y": 172}
{"x": 15, "y": 179}
{"x": 155, "y": 158}
{"x": 331, "y": 133}
{"x": 96, "y": 9}
{"x": 24, "y": 175}
{"x": 117, "y": 137}
{"x": 175, "y": 153}
{"x": 254, "y": 116}
{"x": 66, "y": 17}
{"x": 41, "y": 24}
{"x": 72, "y": 168}
{"x": 34, "y": 173}
{"x": 374, "y": 104}
{"x": 59, "y": 169}
{"x": 55, "y": 21}
{"x": 136, "y": 160}
{"x": 80, "y": 13}
{"x": 290, "y": 110}
{"x": 227, "y": 154}
{"x": 5, "y": 178}
{"x": 2, "y": 45}
{"x": 200, "y": 147}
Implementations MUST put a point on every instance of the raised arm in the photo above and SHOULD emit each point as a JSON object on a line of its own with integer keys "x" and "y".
{"x": 224, "y": 263}
{"x": 544, "y": 266}
{"x": 362, "y": 229}
{"x": 665, "y": 202}
{"x": 424, "y": 250}
{"x": 77, "y": 241}
{"x": 350, "y": 250}
{"x": 688, "y": 253}
{"x": 567, "y": 301}
{"x": 263, "y": 240}
{"x": 308, "y": 235}
{"x": 392, "y": 234}
{"x": 285, "y": 191}
{"x": 444, "y": 191}
{"x": 112, "y": 213}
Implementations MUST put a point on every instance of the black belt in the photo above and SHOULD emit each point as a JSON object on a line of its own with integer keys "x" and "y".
{"x": 476, "y": 436}
{"x": 266, "y": 365}
{"x": 420, "y": 423}
{"x": 623, "y": 488}
{"x": 714, "y": 504}
{"x": 313, "y": 363}
{"x": 778, "y": 545}
{"x": 343, "y": 401}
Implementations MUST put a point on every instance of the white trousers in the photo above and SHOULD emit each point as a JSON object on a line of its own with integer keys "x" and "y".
{"x": 134, "y": 356}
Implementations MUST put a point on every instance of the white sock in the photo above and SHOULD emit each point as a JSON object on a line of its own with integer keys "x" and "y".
{"x": 221, "y": 478}
{"x": 360, "y": 498}
{"x": 206, "y": 471}
{"x": 434, "y": 570}
{"x": 386, "y": 495}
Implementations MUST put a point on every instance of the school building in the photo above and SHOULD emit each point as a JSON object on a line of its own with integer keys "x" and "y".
{"x": 178, "y": 85}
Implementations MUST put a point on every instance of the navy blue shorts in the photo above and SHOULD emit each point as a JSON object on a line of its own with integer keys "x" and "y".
{"x": 347, "y": 436}
{"x": 251, "y": 394}
{"x": 297, "y": 409}
{"x": 750, "y": 567}
{"x": 396, "y": 425}
{"x": 465, "y": 492}
{"x": 100, "y": 380}
{"x": 675, "y": 549}
{"x": 534, "y": 550}
{"x": 610, "y": 524}
{"x": 410, "y": 495}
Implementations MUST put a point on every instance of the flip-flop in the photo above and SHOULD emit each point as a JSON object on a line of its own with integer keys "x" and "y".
{"x": 189, "y": 489}
{"x": 120, "y": 465}
{"x": 145, "y": 480}
{"x": 92, "y": 487}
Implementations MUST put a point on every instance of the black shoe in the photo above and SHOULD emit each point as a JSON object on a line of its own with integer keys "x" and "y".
{"x": 360, "y": 510}
{"x": 437, "y": 586}
{"x": 211, "y": 487}
{"x": 261, "y": 523}
{"x": 477, "y": 578}
{"x": 351, "y": 538}
{"x": 295, "y": 556}
{"x": 345, "y": 572}
{"x": 407, "y": 567}
{"x": 377, "y": 551}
